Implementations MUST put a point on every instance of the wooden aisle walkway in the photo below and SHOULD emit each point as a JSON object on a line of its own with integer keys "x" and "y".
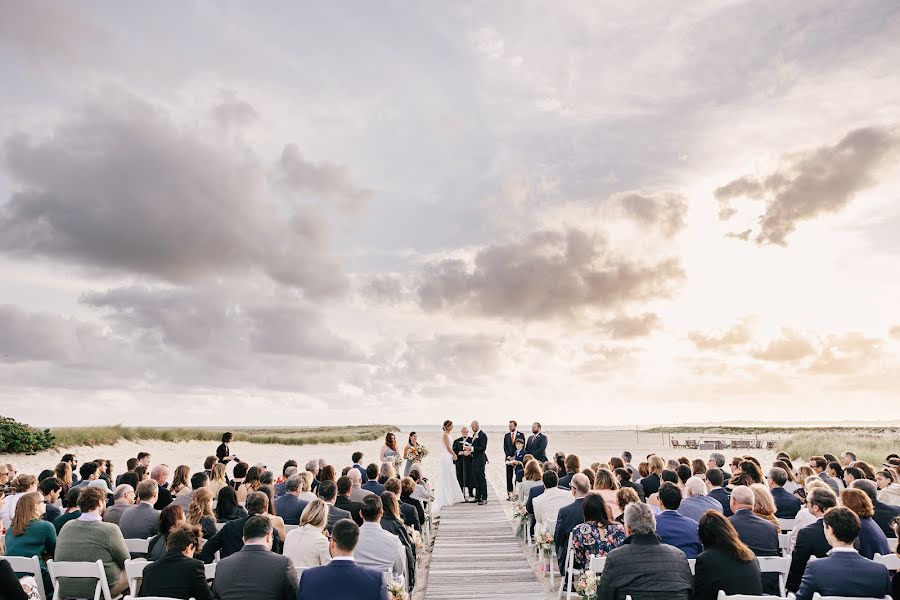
{"x": 477, "y": 555}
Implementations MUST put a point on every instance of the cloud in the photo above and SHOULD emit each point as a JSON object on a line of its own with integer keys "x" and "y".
{"x": 323, "y": 180}
{"x": 232, "y": 112}
{"x": 812, "y": 183}
{"x": 384, "y": 289}
{"x": 546, "y": 275}
{"x": 664, "y": 212}
{"x": 39, "y": 336}
{"x": 121, "y": 187}
{"x": 847, "y": 354}
{"x": 791, "y": 347}
{"x": 624, "y": 327}
{"x": 736, "y": 335}
{"x": 895, "y": 331}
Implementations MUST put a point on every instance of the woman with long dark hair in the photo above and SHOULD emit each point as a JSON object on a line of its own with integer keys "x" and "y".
{"x": 169, "y": 518}
{"x": 726, "y": 562}
{"x": 227, "y": 507}
{"x": 599, "y": 534}
{"x": 411, "y": 452}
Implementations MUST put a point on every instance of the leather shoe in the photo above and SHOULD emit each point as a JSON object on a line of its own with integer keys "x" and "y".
{"x": 480, "y": 502}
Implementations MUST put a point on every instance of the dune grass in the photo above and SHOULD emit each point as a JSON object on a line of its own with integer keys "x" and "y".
{"x": 741, "y": 430}
{"x": 869, "y": 447}
{"x": 294, "y": 436}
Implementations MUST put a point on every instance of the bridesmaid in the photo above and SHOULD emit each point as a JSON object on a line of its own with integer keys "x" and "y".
{"x": 411, "y": 452}
{"x": 389, "y": 449}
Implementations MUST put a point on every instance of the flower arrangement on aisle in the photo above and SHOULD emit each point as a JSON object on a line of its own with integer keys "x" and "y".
{"x": 397, "y": 591}
{"x": 586, "y": 585}
{"x": 415, "y": 537}
{"x": 520, "y": 514}
{"x": 544, "y": 540}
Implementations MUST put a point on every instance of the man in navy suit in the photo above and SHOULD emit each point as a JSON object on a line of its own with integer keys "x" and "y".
{"x": 787, "y": 505}
{"x": 761, "y": 536}
{"x": 358, "y": 456}
{"x": 509, "y": 450}
{"x": 536, "y": 445}
{"x": 884, "y": 513}
{"x": 811, "y": 540}
{"x": 844, "y": 572}
{"x": 372, "y": 480}
{"x": 342, "y": 578}
{"x": 289, "y": 506}
{"x": 715, "y": 479}
{"x": 569, "y": 516}
{"x": 674, "y": 528}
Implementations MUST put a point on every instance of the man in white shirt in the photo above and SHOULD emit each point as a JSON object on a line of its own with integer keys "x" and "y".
{"x": 547, "y": 505}
{"x": 378, "y": 548}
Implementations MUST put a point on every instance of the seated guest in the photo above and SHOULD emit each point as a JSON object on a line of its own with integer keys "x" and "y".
{"x": 308, "y": 545}
{"x": 872, "y": 540}
{"x": 289, "y": 505}
{"x": 790, "y": 484}
{"x": 170, "y": 517}
{"x": 29, "y": 535}
{"x": 696, "y": 501}
{"x": 843, "y": 572}
{"x": 804, "y": 517}
{"x": 818, "y": 465}
{"x": 123, "y": 499}
{"x": 651, "y": 482}
{"x": 547, "y": 505}
{"x": 217, "y": 480}
{"x": 570, "y": 516}
{"x": 200, "y": 512}
{"x": 889, "y": 488}
{"x": 531, "y": 477}
{"x": 377, "y": 548}
{"x": 726, "y": 563}
{"x": 208, "y": 464}
{"x": 181, "y": 481}
{"x": 759, "y": 535}
{"x": 884, "y": 513}
{"x": 836, "y": 472}
{"x": 407, "y": 511}
{"x": 250, "y": 484}
{"x": 72, "y": 511}
{"x": 371, "y": 483}
{"x": 142, "y": 521}
{"x": 572, "y": 465}
{"x": 89, "y": 539}
{"x": 328, "y": 493}
{"x": 342, "y": 578}
{"x": 684, "y": 472}
{"x": 13, "y": 588}
{"x": 227, "y": 507}
{"x": 625, "y": 481}
{"x": 23, "y": 484}
{"x": 598, "y": 535}
{"x": 391, "y": 521}
{"x": 606, "y": 484}
{"x": 852, "y": 474}
{"x": 357, "y": 493}
{"x": 715, "y": 480}
{"x": 238, "y": 475}
{"x": 345, "y": 502}
{"x": 669, "y": 475}
{"x": 277, "y": 522}
{"x": 357, "y": 459}
{"x": 255, "y": 571}
{"x": 407, "y": 490}
{"x": 717, "y": 461}
{"x": 230, "y": 538}
{"x": 673, "y": 528}
{"x": 624, "y": 497}
{"x": 626, "y": 570}
{"x": 160, "y": 474}
{"x": 50, "y": 489}
{"x": 811, "y": 540}
{"x": 177, "y": 574}
{"x": 764, "y": 504}
{"x": 198, "y": 481}
{"x": 787, "y": 505}
{"x": 306, "y": 486}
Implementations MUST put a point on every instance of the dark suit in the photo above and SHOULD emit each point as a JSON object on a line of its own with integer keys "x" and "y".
{"x": 650, "y": 483}
{"x": 724, "y": 498}
{"x": 257, "y": 573}
{"x": 637, "y": 487}
{"x": 532, "y": 494}
{"x": 410, "y": 516}
{"x": 342, "y": 580}
{"x": 465, "y": 475}
{"x": 289, "y": 507}
{"x": 566, "y": 481}
{"x": 345, "y": 503}
{"x": 884, "y": 514}
{"x": 536, "y": 445}
{"x": 677, "y": 530}
{"x": 569, "y": 516}
{"x": 374, "y": 487}
{"x": 762, "y": 537}
{"x": 645, "y": 568}
{"x": 176, "y": 576}
{"x": 845, "y": 574}
{"x": 230, "y": 539}
{"x": 509, "y": 451}
{"x": 810, "y": 542}
{"x": 335, "y": 514}
{"x": 832, "y": 483}
{"x": 787, "y": 504}
{"x": 479, "y": 462}
{"x": 717, "y": 570}
{"x": 164, "y": 499}
{"x": 280, "y": 489}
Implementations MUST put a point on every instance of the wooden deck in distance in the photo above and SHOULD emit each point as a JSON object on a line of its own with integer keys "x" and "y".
{"x": 477, "y": 555}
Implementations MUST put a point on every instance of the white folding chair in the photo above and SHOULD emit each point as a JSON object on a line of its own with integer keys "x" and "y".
{"x": 551, "y": 527}
{"x": 891, "y": 561}
{"x": 816, "y": 596}
{"x": 692, "y": 563}
{"x": 776, "y": 564}
{"x": 786, "y": 524}
{"x": 138, "y": 545}
{"x": 723, "y": 596}
{"x": 31, "y": 565}
{"x": 219, "y": 526}
{"x": 134, "y": 570}
{"x": 149, "y": 598}
{"x": 570, "y": 561}
{"x": 290, "y": 528}
{"x": 784, "y": 542}
{"x": 81, "y": 570}
{"x": 892, "y": 544}
{"x": 210, "y": 570}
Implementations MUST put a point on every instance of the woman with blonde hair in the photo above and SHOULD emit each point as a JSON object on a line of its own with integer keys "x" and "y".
{"x": 307, "y": 546}
{"x": 606, "y": 485}
{"x": 764, "y": 504}
{"x": 217, "y": 481}
{"x": 29, "y": 535}
{"x": 531, "y": 479}
{"x": 200, "y": 512}
{"x": 306, "y": 479}
{"x": 181, "y": 481}
{"x": 871, "y": 538}
{"x": 63, "y": 472}
{"x": 251, "y": 483}
{"x": 651, "y": 482}
{"x": 805, "y": 471}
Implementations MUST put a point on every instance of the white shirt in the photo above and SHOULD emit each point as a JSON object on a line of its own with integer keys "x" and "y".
{"x": 547, "y": 505}
{"x": 380, "y": 549}
{"x": 307, "y": 547}
{"x": 803, "y": 519}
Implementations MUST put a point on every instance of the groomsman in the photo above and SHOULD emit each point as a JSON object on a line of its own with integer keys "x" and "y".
{"x": 479, "y": 460}
{"x": 537, "y": 443}
{"x": 509, "y": 449}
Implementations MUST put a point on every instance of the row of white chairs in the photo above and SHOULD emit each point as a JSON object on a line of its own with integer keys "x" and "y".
{"x": 30, "y": 565}
{"x": 134, "y": 571}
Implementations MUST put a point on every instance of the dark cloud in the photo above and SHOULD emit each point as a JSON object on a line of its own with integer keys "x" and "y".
{"x": 546, "y": 275}
{"x": 38, "y": 336}
{"x": 846, "y": 354}
{"x": 736, "y": 335}
{"x": 663, "y": 212}
{"x": 792, "y": 346}
{"x": 812, "y": 183}
{"x": 624, "y": 327}
{"x": 324, "y": 180}
{"x": 121, "y": 187}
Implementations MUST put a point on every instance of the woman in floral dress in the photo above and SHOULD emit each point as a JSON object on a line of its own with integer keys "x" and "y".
{"x": 598, "y": 535}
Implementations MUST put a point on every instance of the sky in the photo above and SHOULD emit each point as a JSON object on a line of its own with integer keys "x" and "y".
{"x": 221, "y": 213}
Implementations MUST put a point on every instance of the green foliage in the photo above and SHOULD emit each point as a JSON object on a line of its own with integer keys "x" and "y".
{"x": 868, "y": 446}
{"x": 19, "y": 438}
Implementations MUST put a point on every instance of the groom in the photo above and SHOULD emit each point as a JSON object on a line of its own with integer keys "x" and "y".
{"x": 479, "y": 459}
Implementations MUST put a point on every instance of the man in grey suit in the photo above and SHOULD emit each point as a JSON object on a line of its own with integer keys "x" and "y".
{"x": 289, "y": 506}
{"x": 328, "y": 494}
{"x": 357, "y": 493}
{"x": 142, "y": 521}
{"x": 256, "y": 572}
{"x": 124, "y": 499}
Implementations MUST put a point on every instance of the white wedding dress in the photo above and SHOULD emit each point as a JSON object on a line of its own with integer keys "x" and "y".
{"x": 446, "y": 488}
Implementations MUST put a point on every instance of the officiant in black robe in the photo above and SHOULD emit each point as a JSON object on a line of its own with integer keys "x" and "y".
{"x": 465, "y": 474}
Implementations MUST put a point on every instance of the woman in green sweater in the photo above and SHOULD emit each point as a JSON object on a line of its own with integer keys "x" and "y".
{"x": 29, "y": 535}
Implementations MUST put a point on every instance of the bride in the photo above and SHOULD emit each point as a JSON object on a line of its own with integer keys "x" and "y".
{"x": 447, "y": 490}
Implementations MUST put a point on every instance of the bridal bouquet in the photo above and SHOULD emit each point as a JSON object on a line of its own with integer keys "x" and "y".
{"x": 398, "y": 464}
{"x": 397, "y": 591}
{"x": 421, "y": 452}
{"x": 586, "y": 585}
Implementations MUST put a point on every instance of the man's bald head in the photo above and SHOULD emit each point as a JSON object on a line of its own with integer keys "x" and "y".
{"x": 355, "y": 476}
{"x": 581, "y": 484}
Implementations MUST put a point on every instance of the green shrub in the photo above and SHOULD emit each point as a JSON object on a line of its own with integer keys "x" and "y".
{"x": 19, "y": 438}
